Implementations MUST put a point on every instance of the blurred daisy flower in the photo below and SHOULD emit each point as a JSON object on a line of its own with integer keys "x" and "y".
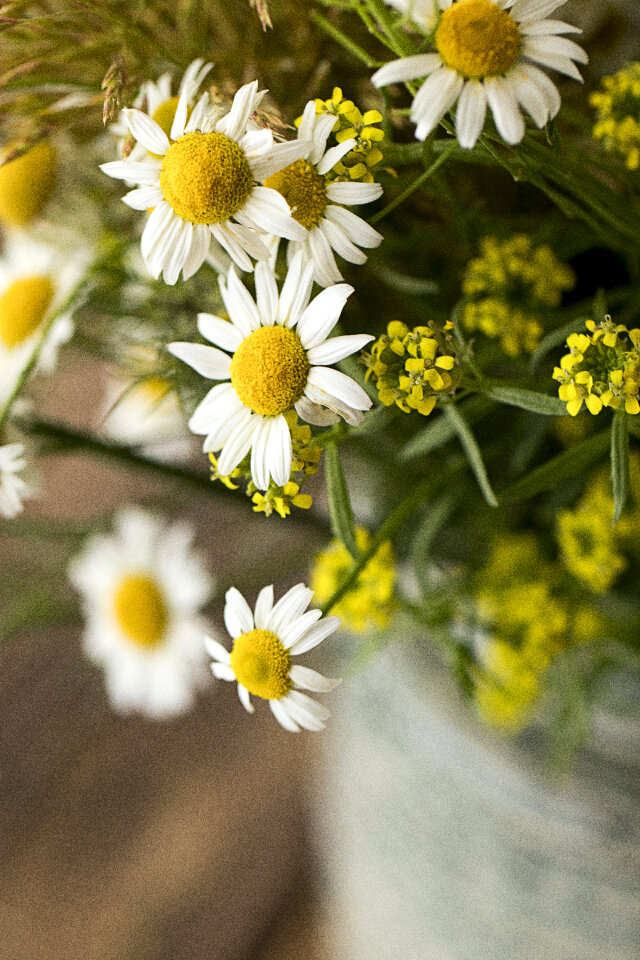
{"x": 318, "y": 200}
{"x": 264, "y": 643}
{"x": 13, "y": 488}
{"x": 277, "y": 359}
{"x": 202, "y": 181}
{"x": 489, "y": 52}
{"x": 142, "y": 591}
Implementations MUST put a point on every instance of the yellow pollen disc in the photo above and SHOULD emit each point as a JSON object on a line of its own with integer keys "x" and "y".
{"x": 205, "y": 177}
{"x": 26, "y": 184}
{"x": 477, "y": 38}
{"x": 23, "y": 306}
{"x": 269, "y": 370}
{"x": 261, "y": 664}
{"x": 304, "y": 190}
{"x": 140, "y": 610}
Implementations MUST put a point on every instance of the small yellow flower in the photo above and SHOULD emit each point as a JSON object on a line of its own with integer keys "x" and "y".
{"x": 351, "y": 123}
{"x": 618, "y": 114}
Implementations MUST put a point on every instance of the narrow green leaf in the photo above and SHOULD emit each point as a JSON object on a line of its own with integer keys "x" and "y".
{"x": 340, "y": 512}
{"x": 434, "y": 518}
{"x": 555, "y": 339}
{"x": 472, "y": 450}
{"x": 565, "y": 466}
{"x": 527, "y": 400}
{"x": 619, "y": 462}
{"x": 441, "y": 430}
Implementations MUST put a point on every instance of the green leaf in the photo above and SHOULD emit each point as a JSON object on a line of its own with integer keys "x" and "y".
{"x": 472, "y": 450}
{"x": 555, "y": 339}
{"x": 434, "y": 518}
{"x": 565, "y": 466}
{"x": 340, "y": 512}
{"x": 527, "y": 400}
{"x": 619, "y": 462}
{"x": 441, "y": 430}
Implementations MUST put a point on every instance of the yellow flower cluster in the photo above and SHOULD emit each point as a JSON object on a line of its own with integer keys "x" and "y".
{"x": 306, "y": 459}
{"x": 369, "y": 602}
{"x": 525, "y": 625}
{"x": 618, "y": 107}
{"x": 593, "y": 550}
{"x": 509, "y": 287}
{"x": 363, "y": 128}
{"x": 602, "y": 369}
{"x": 412, "y": 368}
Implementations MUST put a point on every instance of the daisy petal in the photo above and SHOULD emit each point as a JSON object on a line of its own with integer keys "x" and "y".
{"x": 279, "y": 451}
{"x": 200, "y": 243}
{"x": 219, "y": 331}
{"x": 353, "y": 193}
{"x": 434, "y": 98}
{"x": 341, "y": 243}
{"x": 322, "y": 314}
{"x": 315, "y": 635}
{"x": 267, "y": 209}
{"x": 357, "y": 229}
{"x": 216, "y": 650}
{"x": 315, "y": 414}
{"x": 293, "y": 631}
{"x": 470, "y": 113}
{"x": 339, "y": 385}
{"x": 306, "y": 679}
{"x": 334, "y": 155}
{"x": 264, "y": 605}
{"x": 133, "y": 171}
{"x": 325, "y": 269}
{"x": 143, "y": 198}
{"x": 307, "y": 712}
{"x": 180, "y": 116}
{"x": 260, "y": 452}
{"x": 279, "y": 157}
{"x": 237, "y": 613}
{"x": 296, "y": 291}
{"x": 266, "y": 293}
{"x": 408, "y": 68}
{"x": 146, "y": 131}
{"x": 281, "y": 714}
{"x": 245, "y": 699}
{"x": 290, "y": 606}
{"x": 331, "y": 351}
{"x": 505, "y": 109}
{"x": 207, "y": 361}
{"x": 228, "y": 241}
{"x": 237, "y": 445}
{"x": 240, "y": 305}
{"x": 222, "y": 671}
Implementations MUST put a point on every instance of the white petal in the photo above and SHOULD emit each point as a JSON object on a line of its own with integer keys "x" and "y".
{"x": 227, "y": 240}
{"x": 282, "y": 716}
{"x": 435, "y": 97}
{"x": 334, "y": 155}
{"x": 133, "y": 171}
{"x": 279, "y": 451}
{"x": 156, "y": 226}
{"x": 322, "y": 314}
{"x": 408, "y": 68}
{"x": 470, "y": 113}
{"x": 222, "y": 671}
{"x": 307, "y": 679}
{"x": 529, "y": 96}
{"x": 268, "y": 210}
{"x": 340, "y": 386}
{"x": 146, "y": 131}
{"x": 290, "y": 606}
{"x": 266, "y": 293}
{"x": 250, "y": 241}
{"x": 218, "y": 428}
{"x": 240, "y": 305}
{"x": 179, "y": 253}
{"x": 357, "y": 229}
{"x": 325, "y": 269}
{"x": 541, "y": 28}
{"x": 315, "y": 635}
{"x": 200, "y": 243}
{"x": 524, "y": 10}
{"x": 244, "y": 103}
{"x": 331, "y": 351}
{"x": 143, "y": 198}
{"x": 264, "y": 605}
{"x": 505, "y": 109}
{"x": 292, "y": 632}
{"x": 221, "y": 332}
{"x": 322, "y": 127}
{"x": 557, "y": 46}
{"x": 237, "y": 613}
{"x": 216, "y": 650}
{"x": 245, "y": 698}
{"x": 180, "y": 116}
{"x": 259, "y": 454}
{"x": 219, "y": 404}
{"x": 340, "y": 242}
{"x": 256, "y": 143}
{"x": 353, "y": 193}
{"x": 237, "y": 445}
{"x": 315, "y": 414}
{"x": 549, "y": 93}
{"x": 307, "y": 123}
{"x": 553, "y": 61}
{"x": 296, "y": 290}
{"x": 200, "y": 111}
{"x": 207, "y": 361}
{"x": 280, "y": 156}
{"x": 305, "y": 711}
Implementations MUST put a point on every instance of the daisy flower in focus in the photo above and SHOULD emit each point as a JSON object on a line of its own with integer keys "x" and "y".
{"x": 318, "y": 202}
{"x": 142, "y": 590}
{"x": 277, "y": 359}
{"x": 13, "y": 488}
{"x": 264, "y": 643}
{"x": 489, "y": 52}
{"x": 156, "y": 99}
{"x": 205, "y": 183}
{"x": 35, "y": 281}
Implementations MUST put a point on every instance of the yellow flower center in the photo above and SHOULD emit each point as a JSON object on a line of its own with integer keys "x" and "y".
{"x": 23, "y": 306}
{"x": 304, "y": 190}
{"x": 26, "y": 184}
{"x": 206, "y": 177}
{"x": 140, "y": 610}
{"x": 155, "y": 388}
{"x": 477, "y": 38}
{"x": 269, "y": 370}
{"x": 261, "y": 664}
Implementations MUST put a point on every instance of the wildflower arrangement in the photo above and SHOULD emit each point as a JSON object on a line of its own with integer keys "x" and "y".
{"x": 354, "y": 286}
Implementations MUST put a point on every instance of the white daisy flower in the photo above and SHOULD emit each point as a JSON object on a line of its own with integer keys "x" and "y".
{"x": 422, "y": 12}
{"x": 147, "y": 413}
{"x": 206, "y": 183}
{"x": 264, "y": 643}
{"x": 156, "y": 99}
{"x": 319, "y": 203}
{"x": 277, "y": 359}
{"x": 13, "y": 488}
{"x": 35, "y": 281}
{"x": 142, "y": 590}
{"x": 489, "y": 52}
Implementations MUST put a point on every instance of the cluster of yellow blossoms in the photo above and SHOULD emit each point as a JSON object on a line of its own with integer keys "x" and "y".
{"x": 602, "y": 368}
{"x": 618, "y": 107}
{"x": 306, "y": 459}
{"x": 412, "y": 368}
{"x": 509, "y": 287}
{"x": 369, "y": 603}
{"x": 594, "y": 551}
{"x": 526, "y": 624}
{"x": 363, "y": 128}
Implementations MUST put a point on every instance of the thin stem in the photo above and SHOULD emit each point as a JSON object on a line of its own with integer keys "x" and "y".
{"x": 437, "y": 163}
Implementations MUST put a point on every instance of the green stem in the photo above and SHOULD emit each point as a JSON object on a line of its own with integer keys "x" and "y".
{"x": 344, "y": 41}
{"x": 437, "y": 163}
